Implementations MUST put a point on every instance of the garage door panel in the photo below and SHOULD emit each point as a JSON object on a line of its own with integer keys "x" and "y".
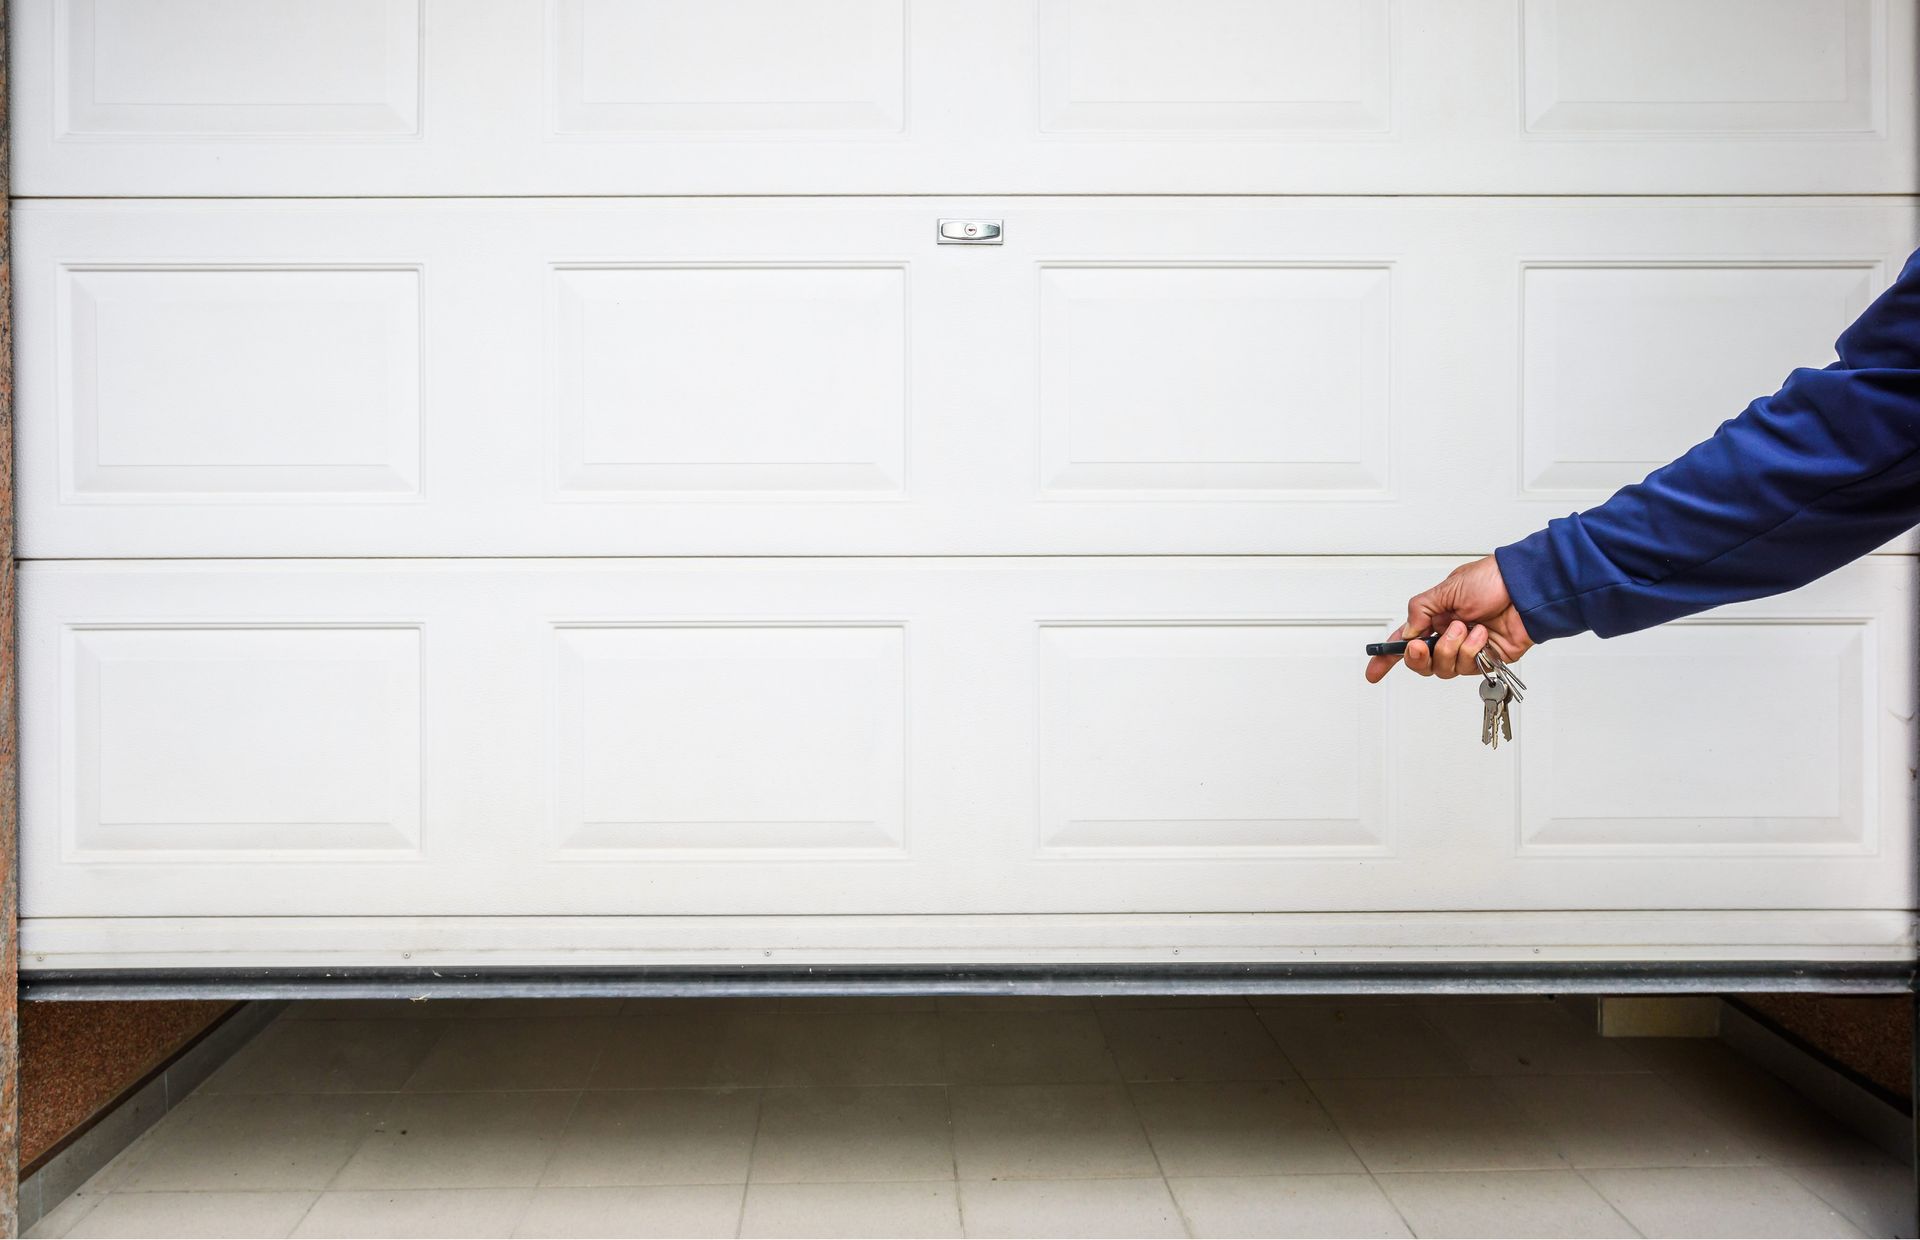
{"x": 788, "y": 377}
{"x": 493, "y": 97}
{"x": 1766, "y": 746}
{"x": 235, "y": 741}
{"x": 675, "y": 67}
{"x": 919, "y": 736}
{"x": 1186, "y": 739}
{"x": 1204, "y": 381}
{"x": 179, "y": 70}
{"x": 1655, "y": 66}
{"x": 224, "y": 383}
{"x": 741, "y": 380}
{"x": 1214, "y": 66}
{"x": 1591, "y": 424}
{"x": 679, "y": 739}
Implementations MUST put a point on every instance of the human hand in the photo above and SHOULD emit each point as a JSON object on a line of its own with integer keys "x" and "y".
{"x": 1471, "y": 611}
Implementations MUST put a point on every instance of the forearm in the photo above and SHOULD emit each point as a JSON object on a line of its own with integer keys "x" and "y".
{"x": 1821, "y": 472}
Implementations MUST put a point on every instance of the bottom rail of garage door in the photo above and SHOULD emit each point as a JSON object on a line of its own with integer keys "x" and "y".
{"x": 1318, "y": 978}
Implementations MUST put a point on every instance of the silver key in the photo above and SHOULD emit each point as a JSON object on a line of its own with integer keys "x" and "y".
{"x": 1493, "y": 708}
{"x": 1491, "y": 664}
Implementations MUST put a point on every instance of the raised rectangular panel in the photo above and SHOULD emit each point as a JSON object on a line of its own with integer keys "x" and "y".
{"x": 1193, "y": 738}
{"x": 1710, "y": 737}
{"x": 1225, "y": 66}
{"x": 253, "y": 68}
{"x": 251, "y": 741}
{"x": 731, "y": 738}
{"x": 1213, "y": 379}
{"x": 209, "y": 383}
{"x": 1624, "y": 367}
{"x": 747, "y": 380}
{"x": 658, "y": 66}
{"x": 1691, "y": 66}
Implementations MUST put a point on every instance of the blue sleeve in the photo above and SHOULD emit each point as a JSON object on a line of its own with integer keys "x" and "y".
{"x": 1820, "y": 473}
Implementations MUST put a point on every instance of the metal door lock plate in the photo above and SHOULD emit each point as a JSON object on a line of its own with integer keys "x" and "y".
{"x": 970, "y": 232}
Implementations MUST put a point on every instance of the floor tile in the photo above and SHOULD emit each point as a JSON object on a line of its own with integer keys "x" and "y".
{"x": 498, "y": 1140}
{"x": 1140, "y": 1002}
{"x": 1682, "y": 1055}
{"x": 730, "y": 1006}
{"x": 536, "y": 1009}
{"x": 195, "y": 1214}
{"x": 867, "y": 1133}
{"x": 1718, "y": 1201}
{"x": 1140, "y": 1207}
{"x": 657, "y": 1136}
{"x": 1290, "y": 1001}
{"x": 415, "y": 1212}
{"x": 1024, "y": 1048}
{"x": 694, "y": 1047}
{"x": 636, "y": 1212}
{"x": 1336, "y": 1040}
{"x": 1041, "y": 1132}
{"x": 231, "y": 1142}
{"x": 512, "y": 1053}
{"x": 1781, "y": 1124}
{"x": 1435, "y": 1124}
{"x": 1287, "y": 1206}
{"x": 1502, "y": 1039}
{"x": 371, "y": 1009}
{"x": 1193, "y": 1044}
{"x": 1625, "y": 1120}
{"x": 860, "y": 1003}
{"x": 327, "y": 1056}
{"x": 1502, "y": 1203}
{"x": 828, "y": 1210}
{"x": 66, "y": 1214}
{"x": 1014, "y": 1003}
{"x": 851, "y": 1048}
{"x": 1240, "y": 1128}
{"x": 1878, "y": 1199}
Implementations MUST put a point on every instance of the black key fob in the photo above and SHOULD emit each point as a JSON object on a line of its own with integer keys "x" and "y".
{"x": 1395, "y": 648}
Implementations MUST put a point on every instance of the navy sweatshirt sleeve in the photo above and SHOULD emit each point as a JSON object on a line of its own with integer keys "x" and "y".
{"x": 1820, "y": 473}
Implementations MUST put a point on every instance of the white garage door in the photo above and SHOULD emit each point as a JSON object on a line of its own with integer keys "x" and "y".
{"x": 507, "y": 481}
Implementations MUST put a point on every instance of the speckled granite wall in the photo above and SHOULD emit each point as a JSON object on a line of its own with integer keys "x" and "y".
{"x": 9, "y": 789}
{"x": 76, "y": 1058}
{"x": 1871, "y": 1035}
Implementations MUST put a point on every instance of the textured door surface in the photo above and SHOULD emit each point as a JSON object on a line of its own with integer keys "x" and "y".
{"x": 518, "y": 481}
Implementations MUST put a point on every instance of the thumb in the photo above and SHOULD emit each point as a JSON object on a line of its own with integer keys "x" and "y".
{"x": 1421, "y": 609}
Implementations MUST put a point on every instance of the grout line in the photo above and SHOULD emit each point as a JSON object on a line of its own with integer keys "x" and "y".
{"x": 1836, "y": 1207}
{"x": 953, "y": 1156}
{"x": 753, "y": 1147}
{"x": 1387, "y": 1197}
{"x": 1611, "y": 1205}
{"x": 1166, "y": 1185}
{"x": 318, "y": 1194}
{"x": 560, "y": 1134}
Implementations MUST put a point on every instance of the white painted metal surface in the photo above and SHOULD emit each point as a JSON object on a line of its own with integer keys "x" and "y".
{"x": 432, "y": 97}
{"x": 399, "y": 511}
{"x": 820, "y": 378}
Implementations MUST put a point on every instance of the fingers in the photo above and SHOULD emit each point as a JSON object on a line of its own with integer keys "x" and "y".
{"x": 1419, "y": 658}
{"x": 1477, "y": 639}
{"x": 1379, "y": 665}
{"x": 1421, "y": 610}
{"x": 1446, "y": 653}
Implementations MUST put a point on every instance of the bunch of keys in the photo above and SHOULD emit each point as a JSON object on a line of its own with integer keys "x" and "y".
{"x": 1500, "y": 687}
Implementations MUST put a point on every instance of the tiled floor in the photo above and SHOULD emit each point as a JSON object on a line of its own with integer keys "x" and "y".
{"x": 1038, "y": 1117}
